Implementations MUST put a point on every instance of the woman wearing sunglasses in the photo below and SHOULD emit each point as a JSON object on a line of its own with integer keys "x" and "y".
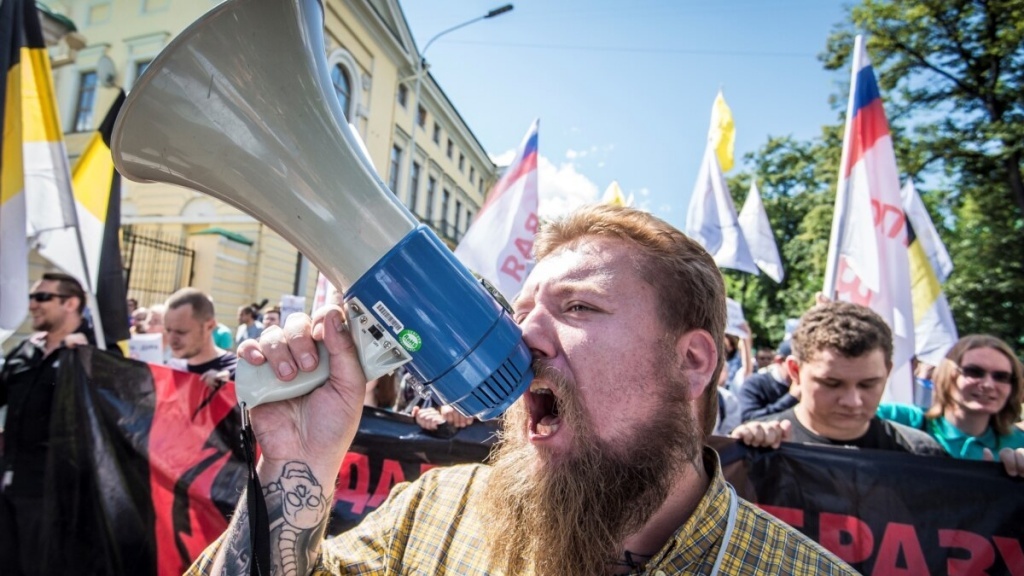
{"x": 979, "y": 388}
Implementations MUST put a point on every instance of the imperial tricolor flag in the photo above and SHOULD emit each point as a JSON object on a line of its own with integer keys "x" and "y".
{"x": 934, "y": 328}
{"x": 499, "y": 244}
{"x": 97, "y": 188}
{"x": 35, "y": 183}
{"x": 867, "y": 252}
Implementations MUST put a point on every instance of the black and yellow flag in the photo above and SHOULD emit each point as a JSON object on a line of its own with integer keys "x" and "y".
{"x": 96, "y": 182}
{"x": 35, "y": 183}
{"x": 97, "y": 205}
{"x": 13, "y": 243}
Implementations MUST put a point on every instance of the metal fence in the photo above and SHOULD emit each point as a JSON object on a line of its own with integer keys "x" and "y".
{"x": 156, "y": 263}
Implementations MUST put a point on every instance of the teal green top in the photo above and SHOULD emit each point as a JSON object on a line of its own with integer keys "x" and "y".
{"x": 223, "y": 338}
{"x": 951, "y": 438}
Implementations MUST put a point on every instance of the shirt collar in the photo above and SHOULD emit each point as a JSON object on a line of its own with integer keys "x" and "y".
{"x": 705, "y": 526}
{"x": 949, "y": 431}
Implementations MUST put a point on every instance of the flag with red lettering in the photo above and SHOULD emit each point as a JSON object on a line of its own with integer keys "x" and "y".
{"x": 144, "y": 467}
{"x": 499, "y": 244}
{"x": 867, "y": 252}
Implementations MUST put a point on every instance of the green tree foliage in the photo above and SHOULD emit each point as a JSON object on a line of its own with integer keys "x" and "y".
{"x": 797, "y": 181}
{"x": 953, "y": 76}
{"x": 952, "y": 79}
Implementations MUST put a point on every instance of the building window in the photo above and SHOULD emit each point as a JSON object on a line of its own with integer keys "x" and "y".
{"x": 437, "y": 133}
{"x": 414, "y": 186}
{"x": 480, "y": 185}
{"x": 155, "y": 5}
{"x": 396, "y": 165}
{"x": 458, "y": 218}
{"x": 98, "y": 12}
{"x": 431, "y": 189}
{"x": 342, "y": 87}
{"x": 462, "y": 162}
{"x": 469, "y": 219}
{"x": 86, "y": 101}
{"x": 451, "y": 148}
{"x": 446, "y": 197}
{"x": 421, "y": 116}
{"x": 472, "y": 175}
{"x": 403, "y": 95}
{"x": 140, "y": 67}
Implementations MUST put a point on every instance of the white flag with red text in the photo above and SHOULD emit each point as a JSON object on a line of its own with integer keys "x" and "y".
{"x": 499, "y": 244}
{"x": 867, "y": 253}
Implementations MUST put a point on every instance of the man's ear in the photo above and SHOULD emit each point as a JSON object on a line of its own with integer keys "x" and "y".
{"x": 71, "y": 303}
{"x": 699, "y": 356}
{"x": 793, "y": 367}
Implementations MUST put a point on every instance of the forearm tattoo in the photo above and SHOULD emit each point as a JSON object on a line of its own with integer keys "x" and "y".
{"x": 297, "y": 510}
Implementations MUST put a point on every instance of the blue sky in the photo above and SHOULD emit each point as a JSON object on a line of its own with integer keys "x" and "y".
{"x": 624, "y": 89}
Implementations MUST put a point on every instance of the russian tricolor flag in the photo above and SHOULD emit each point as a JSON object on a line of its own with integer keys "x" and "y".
{"x": 499, "y": 244}
{"x": 867, "y": 253}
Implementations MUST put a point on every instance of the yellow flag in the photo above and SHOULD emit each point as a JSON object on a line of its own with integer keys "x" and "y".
{"x": 723, "y": 132}
{"x": 613, "y": 195}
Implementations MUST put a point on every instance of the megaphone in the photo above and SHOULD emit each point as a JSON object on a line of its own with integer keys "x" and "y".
{"x": 241, "y": 106}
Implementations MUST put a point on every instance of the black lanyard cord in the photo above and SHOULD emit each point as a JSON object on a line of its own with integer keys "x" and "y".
{"x": 259, "y": 524}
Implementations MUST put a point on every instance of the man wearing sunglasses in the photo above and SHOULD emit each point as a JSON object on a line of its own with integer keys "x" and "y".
{"x": 26, "y": 387}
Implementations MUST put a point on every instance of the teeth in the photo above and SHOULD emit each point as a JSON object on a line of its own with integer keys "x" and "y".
{"x": 541, "y": 391}
{"x": 546, "y": 429}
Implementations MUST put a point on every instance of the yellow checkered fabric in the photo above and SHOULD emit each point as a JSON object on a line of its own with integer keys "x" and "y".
{"x": 429, "y": 527}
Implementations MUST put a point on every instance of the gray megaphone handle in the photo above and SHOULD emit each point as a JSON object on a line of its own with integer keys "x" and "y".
{"x": 255, "y": 385}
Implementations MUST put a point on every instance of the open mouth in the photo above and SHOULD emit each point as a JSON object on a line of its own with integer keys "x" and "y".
{"x": 544, "y": 411}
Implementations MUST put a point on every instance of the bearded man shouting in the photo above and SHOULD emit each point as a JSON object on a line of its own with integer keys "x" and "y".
{"x": 601, "y": 467}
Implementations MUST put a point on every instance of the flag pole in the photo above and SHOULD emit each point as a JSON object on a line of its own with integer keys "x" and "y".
{"x": 94, "y": 307}
{"x": 842, "y": 190}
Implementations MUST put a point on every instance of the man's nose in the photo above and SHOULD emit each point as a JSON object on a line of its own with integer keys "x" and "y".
{"x": 851, "y": 397}
{"x": 538, "y": 333}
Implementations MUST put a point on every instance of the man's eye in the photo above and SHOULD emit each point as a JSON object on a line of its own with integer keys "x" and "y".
{"x": 579, "y": 308}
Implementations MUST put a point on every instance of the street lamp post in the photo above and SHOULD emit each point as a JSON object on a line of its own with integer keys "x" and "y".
{"x": 420, "y": 68}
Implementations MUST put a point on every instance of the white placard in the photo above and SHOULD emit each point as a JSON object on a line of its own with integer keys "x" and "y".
{"x": 147, "y": 348}
{"x": 291, "y": 304}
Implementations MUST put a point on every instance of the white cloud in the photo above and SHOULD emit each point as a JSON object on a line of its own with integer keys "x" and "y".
{"x": 562, "y": 188}
{"x": 503, "y": 159}
{"x": 571, "y": 154}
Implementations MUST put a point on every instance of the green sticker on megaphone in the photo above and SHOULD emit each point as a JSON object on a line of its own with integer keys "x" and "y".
{"x": 410, "y": 340}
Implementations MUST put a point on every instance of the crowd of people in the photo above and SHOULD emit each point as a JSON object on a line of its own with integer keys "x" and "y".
{"x": 601, "y": 467}
{"x": 825, "y": 386}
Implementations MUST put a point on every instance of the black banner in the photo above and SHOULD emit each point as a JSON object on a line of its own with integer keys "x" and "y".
{"x": 889, "y": 512}
{"x": 391, "y": 448}
{"x": 144, "y": 470}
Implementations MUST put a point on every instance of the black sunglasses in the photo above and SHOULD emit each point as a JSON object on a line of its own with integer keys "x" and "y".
{"x": 46, "y": 296}
{"x": 978, "y": 373}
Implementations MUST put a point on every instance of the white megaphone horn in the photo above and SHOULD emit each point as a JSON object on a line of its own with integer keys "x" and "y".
{"x": 240, "y": 106}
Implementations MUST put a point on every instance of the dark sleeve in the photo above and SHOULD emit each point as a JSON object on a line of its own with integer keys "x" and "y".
{"x": 754, "y": 401}
{"x": 5, "y": 371}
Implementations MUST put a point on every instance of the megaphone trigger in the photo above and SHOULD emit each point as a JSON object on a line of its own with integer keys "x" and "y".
{"x": 379, "y": 354}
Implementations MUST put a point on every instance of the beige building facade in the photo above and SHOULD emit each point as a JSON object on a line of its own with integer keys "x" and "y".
{"x": 174, "y": 237}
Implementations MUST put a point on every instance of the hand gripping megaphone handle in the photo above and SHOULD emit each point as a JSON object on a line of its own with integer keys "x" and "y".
{"x": 255, "y": 385}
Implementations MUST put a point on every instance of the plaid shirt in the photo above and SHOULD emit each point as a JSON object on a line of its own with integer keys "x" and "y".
{"x": 428, "y": 527}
